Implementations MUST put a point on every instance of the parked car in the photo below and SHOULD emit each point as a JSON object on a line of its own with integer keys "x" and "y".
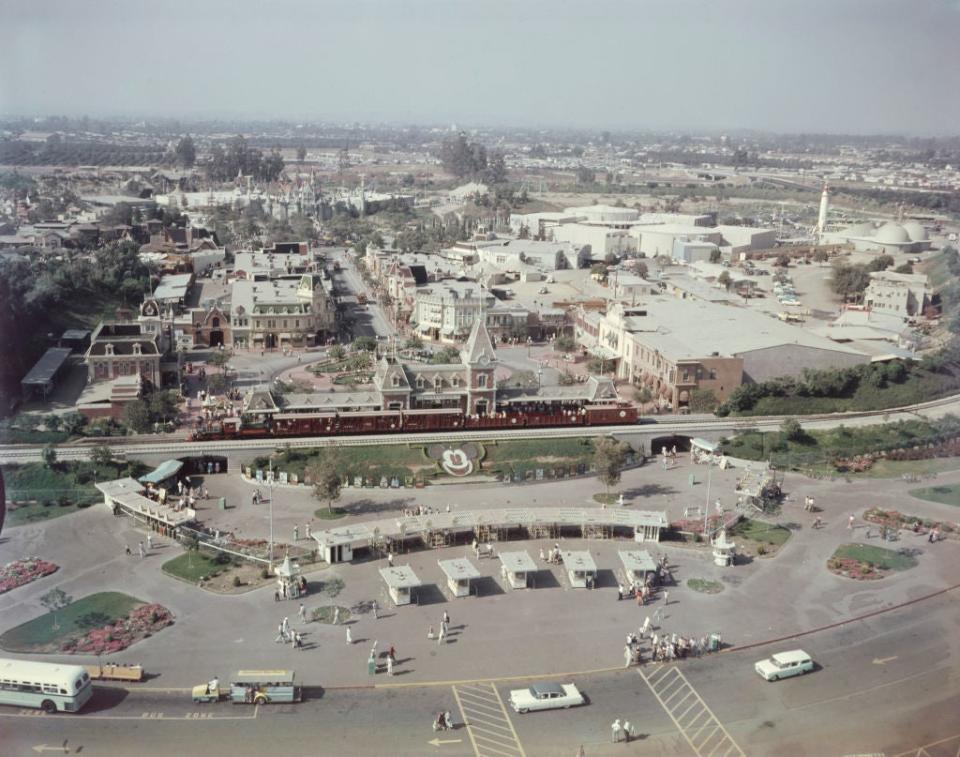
{"x": 784, "y": 664}
{"x": 546, "y": 696}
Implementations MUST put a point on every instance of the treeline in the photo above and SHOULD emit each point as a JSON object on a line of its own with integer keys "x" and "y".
{"x": 465, "y": 159}
{"x": 42, "y": 296}
{"x": 237, "y": 157}
{"x": 59, "y": 153}
{"x": 837, "y": 383}
{"x": 942, "y": 202}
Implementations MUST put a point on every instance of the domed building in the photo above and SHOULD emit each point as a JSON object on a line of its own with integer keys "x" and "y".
{"x": 887, "y": 239}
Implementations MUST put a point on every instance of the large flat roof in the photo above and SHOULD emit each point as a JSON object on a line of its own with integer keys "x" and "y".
{"x": 518, "y": 562}
{"x": 637, "y": 560}
{"x": 578, "y": 560}
{"x": 47, "y": 366}
{"x": 459, "y": 568}
{"x": 693, "y": 329}
{"x": 400, "y": 577}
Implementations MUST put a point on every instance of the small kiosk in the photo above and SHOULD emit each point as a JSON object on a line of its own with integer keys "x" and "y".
{"x": 401, "y": 581}
{"x": 289, "y": 580}
{"x": 581, "y": 569}
{"x": 724, "y": 550}
{"x": 516, "y": 567}
{"x": 637, "y": 564}
{"x": 459, "y": 572}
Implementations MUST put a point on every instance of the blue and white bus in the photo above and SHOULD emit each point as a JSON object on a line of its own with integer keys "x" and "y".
{"x": 51, "y": 686}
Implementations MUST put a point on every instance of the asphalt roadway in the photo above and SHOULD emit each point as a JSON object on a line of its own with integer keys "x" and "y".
{"x": 886, "y": 685}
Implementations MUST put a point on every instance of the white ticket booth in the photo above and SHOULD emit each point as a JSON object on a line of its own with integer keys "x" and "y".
{"x": 401, "y": 581}
{"x": 637, "y": 564}
{"x": 581, "y": 569}
{"x": 516, "y": 568}
{"x": 459, "y": 572}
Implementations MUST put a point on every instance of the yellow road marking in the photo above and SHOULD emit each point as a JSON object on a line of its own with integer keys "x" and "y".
{"x": 501, "y": 679}
{"x": 506, "y": 715}
{"x": 465, "y": 723}
{"x": 916, "y": 751}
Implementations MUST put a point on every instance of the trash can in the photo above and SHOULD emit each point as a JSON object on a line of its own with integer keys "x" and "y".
{"x": 714, "y": 642}
{"x": 372, "y": 666}
{"x": 222, "y": 503}
{"x": 691, "y": 480}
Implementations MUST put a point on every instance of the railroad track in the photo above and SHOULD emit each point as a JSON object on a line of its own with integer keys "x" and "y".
{"x": 673, "y": 424}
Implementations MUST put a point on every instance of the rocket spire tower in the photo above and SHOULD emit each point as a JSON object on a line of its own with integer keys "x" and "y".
{"x": 824, "y": 206}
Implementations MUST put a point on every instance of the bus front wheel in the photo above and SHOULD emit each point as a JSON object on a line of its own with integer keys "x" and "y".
{"x": 48, "y": 705}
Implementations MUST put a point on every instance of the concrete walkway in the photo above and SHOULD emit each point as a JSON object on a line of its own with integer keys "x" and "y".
{"x": 550, "y": 629}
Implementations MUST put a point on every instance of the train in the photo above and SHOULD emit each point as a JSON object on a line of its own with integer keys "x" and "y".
{"x": 335, "y": 423}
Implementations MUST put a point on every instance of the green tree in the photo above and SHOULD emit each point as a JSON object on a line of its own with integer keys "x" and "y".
{"x": 446, "y": 356}
{"x": 849, "y": 281}
{"x": 703, "y": 401}
{"x": 783, "y": 260}
{"x": 880, "y": 263}
{"x": 791, "y": 430}
{"x": 52, "y": 422}
{"x": 609, "y": 457}
{"x": 564, "y": 343}
{"x": 324, "y": 473}
{"x": 365, "y": 343}
{"x": 725, "y": 280}
{"x": 301, "y": 152}
{"x": 49, "y": 455}
{"x": 337, "y": 352}
{"x": 461, "y": 157}
{"x": 163, "y": 406}
{"x": 586, "y": 175}
{"x": 73, "y": 422}
{"x": 137, "y": 416}
{"x": 220, "y": 358}
{"x": 414, "y": 342}
{"x": 820, "y": 256}
{"x": 716, "y": 256}
{"x": 641, "y": 269}
{"x": 186, "y": 151}
{"x": 55, "y": 600}
{"x": 101, "y": 455}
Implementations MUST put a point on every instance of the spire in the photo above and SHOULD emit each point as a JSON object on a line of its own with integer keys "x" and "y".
{"x": 478, "y": 344}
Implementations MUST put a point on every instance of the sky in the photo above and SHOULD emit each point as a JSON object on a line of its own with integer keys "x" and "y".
{"x": 828, "y": 66}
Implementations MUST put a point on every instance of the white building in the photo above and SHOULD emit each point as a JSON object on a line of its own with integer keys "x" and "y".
{"x": 280, "y": 313}
{"x": 902, "y": 294}
{"x": 446, "y": 310}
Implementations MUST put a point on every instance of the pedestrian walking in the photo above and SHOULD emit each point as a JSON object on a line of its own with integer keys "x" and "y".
{"x": 127, "y": 549}
{"x": 302, "y": 613}
{"x": 376, "y": 609}
{"x": 392, "y": 653}
{"x": 443, "y": 630}
{"x": 580, "y": 752}
{"x": 850, "y": 523}
{"x": 430, "y": 633}
{"x": 615, "y": 731}
{"x": 298, "y": 640}
{"x": 627, "y": 656}
{"x": 639, "y": 599}
{"x": 619, "y": 592}
{"x": 389, "y": 665}
{"x": 658, "y": 616}
{"x": 645, "y": 627}
{"x": 446, "y": 618}
{"x": 666, "y": 597}
{"x": 349, "y": 636}
{"x": 627, "y": 731}
{"x": 285, "y": 625}
{"x": 307, "y": 531}
{"x": 140, "y": 547}
{"x": 336, "y": 615}
{"x": 390, "y": 559}
{"x": 281, "y": 635}
{"x": 296, "y": 533}
{"x": 149, "y": 541}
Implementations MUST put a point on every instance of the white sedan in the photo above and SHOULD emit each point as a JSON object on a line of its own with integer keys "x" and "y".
{"x": 546, "y": 696}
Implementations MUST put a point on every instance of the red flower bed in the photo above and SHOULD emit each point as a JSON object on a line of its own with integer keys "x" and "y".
{"x": 847, "y": 566}
{"x": 21, "y": 572}
{"x": 120, "y": 634}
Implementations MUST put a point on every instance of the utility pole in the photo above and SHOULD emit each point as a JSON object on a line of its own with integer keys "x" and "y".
{"x": 270, "y": 482}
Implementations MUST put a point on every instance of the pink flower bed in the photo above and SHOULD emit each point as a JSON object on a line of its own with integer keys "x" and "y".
{"x": 21, "y": 572}
{"x": 114, "y": 637}
{"x": 860, "y": 571}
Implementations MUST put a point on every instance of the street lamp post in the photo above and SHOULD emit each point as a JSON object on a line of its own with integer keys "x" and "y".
{"x": 270, "y": 482}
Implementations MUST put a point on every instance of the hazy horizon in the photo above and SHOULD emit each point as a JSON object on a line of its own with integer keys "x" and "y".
{"x": 818, "y": 66}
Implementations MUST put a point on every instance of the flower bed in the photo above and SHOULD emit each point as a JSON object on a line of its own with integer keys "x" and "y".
{"x": 851, "y": 568}
{"x": 116, "y": 636}
{"x": 897, "y": 520}
{"x": 21, "y": 572}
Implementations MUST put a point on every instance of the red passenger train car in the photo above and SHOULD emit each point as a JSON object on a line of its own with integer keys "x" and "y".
{"x": 352, "y": 423}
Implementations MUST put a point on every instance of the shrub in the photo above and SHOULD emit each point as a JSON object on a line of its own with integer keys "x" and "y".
{"x": 237, "y": 581}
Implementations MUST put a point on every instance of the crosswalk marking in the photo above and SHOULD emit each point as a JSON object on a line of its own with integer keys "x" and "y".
{"x": 696, "y": 722}
{"x": 488, "y": 724}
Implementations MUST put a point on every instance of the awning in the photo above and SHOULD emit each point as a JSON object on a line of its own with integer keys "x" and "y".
{"x": 162, "y": 472}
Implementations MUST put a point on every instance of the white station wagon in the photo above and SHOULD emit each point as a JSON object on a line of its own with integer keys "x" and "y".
{"x": 784, "y": 665}
{"x": 546, "y": 696}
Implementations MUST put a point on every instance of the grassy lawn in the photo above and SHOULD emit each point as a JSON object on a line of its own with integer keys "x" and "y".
{"x": 373, "y": 461}
{"x": 818, "y": 448}
{"x": 879, "y": 557}
{"x": 78, "y": 617}
{"x": 324, "y": 513}
{"x": 760, "y": 532}
{"x": 603, "y": 498}
{"x": 192, "y": 566}
{"x": 945, "y": 495}
{"x": 705, "y": 586}
{"x": 325, "y": 614}
{"x": 524, "y": 455}
{"x": 21, "y": 436}
{"x": 51, "y": 492}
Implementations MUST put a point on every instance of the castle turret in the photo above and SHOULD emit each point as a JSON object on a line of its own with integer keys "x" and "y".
{"x": 824, "y": 206}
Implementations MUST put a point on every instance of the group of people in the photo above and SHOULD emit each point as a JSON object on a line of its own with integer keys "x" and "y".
{"x": 292, "y": 590}
{"x": 553, "y": 556}
{"x": 675, "y": 647}
{"x": 286, "y": 634}
{"x": 444, "y": 629}
{"x": 390, "y": 657}
{"x": 305, "y": 532}
{"x": 413, "y": 512}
